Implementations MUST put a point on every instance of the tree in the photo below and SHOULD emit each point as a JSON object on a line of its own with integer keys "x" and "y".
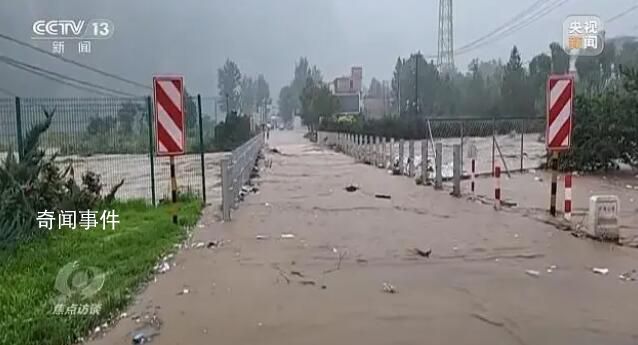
{"x": 286, "y": 103}
{"x": 376, "y": 89}
{"x": 263, "y": 91}
{"x": 514, "y": 90}
{"x": 248, "y": 95}
{"x": 560, "y": 59}
{"x": 539, "y": 69}
{"x": 229, "y": 83}
{"x": 316, "y": 102}
{"x": 192, "y": 117}
{"x": 126, "y": 116}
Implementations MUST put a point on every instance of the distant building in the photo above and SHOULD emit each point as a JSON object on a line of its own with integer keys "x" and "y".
{"x": 348, "y": 90}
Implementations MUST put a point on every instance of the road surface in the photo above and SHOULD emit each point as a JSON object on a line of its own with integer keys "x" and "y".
{"x": 326, "y": 285}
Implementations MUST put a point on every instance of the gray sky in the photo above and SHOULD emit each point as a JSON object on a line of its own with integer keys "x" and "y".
{"x": 194, "y": 37}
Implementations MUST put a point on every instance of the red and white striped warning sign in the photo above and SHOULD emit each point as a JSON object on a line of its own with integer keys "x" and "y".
{"x": 168, "y": 92}
{"x": 560, "y": 96}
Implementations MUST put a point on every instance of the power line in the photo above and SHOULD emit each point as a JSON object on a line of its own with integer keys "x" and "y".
{"x": 31, "y": 68}
{"x": 622, "y": 14}
{"x": 525, "y": 23}
{"x": 506, "y": 25}
{"x": 91, "y": 68}
{"x": 58, "y": 80}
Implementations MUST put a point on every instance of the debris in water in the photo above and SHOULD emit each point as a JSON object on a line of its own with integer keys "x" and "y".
{"x": 533, "y": 171}
{"x": 123, "y": 315}
{"x": 362, "y": 261}
{"x": 538, "y": 179}
{"x": 323, "y": 287}
{"x": 382, "y": 196}
{"x": 266, "y": 204}
{"x": 198, "y": 245}
{"x": 275, "y": 150}
{"x": 140, "y": 338}
{"x": 297, "y": 273}
{"x": 629, "y": 186}
{"x": 351, "y": 188}
{"x": 602, "y": 271}
{"x": 425, "y": 254}
{"x": 286, "y": 236}
{"x": 213, "y": 244}
{"x": 533, "y": 273}
{"x": 97, "y": 329}
{"x": 388, "y": 288}
{"x": 183, "y": 292}
{"x": 551, "y": 268}
{"x": 307, "y": 282}
{"x": 515, "y": 235}
{"x": 261, "y": 237}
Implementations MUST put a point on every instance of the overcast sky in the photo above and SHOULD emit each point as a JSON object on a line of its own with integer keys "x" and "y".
{"x": 194, "y": 37}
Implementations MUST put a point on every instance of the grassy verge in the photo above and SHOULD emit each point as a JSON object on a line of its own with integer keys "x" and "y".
{"x": 126, "y": 255}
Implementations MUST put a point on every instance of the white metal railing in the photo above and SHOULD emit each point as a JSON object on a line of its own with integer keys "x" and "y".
{"x": 235, "y": 168}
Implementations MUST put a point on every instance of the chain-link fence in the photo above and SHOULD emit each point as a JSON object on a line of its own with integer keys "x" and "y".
{"x": 113, "y": 137}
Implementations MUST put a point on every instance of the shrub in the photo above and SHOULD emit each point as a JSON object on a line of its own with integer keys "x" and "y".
{"x": 36, "y": 183}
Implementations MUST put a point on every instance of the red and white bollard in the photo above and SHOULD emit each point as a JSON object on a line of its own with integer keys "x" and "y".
{"x": 473, "y": 175}
{"x": 497, "y": 187}
{"x": 568, "y": 196}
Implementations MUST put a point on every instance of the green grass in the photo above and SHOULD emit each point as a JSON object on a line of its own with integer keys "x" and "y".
{"x": 127, "y": 256}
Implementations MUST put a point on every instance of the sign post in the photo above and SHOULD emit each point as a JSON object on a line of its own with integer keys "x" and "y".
{"x": 560, "y": 97}
{"x": 168, "y": 93}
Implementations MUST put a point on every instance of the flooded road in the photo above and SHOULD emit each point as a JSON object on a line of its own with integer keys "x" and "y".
{"x": 491, "y": 278}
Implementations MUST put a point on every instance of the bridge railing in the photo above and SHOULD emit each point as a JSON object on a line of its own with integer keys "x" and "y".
{"x": 235, "y": 170}
{"x": 515, "y": 144}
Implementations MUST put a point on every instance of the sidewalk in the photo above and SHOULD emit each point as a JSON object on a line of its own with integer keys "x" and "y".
{"x": 325, "y": 285}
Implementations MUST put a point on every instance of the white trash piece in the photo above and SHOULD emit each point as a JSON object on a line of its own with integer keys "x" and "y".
{"x": 602, "y": 221}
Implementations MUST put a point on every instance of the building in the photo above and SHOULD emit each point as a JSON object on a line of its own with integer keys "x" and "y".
{"x": 348, "y": 90}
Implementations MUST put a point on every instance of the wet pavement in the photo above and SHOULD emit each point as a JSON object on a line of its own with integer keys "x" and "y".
{"x": 346, "y": 269}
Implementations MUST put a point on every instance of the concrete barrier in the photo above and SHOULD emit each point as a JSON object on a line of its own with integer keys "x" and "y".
{"x": 602, "y": 221}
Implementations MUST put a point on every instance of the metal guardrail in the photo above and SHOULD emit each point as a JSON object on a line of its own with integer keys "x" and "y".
{"x": 235, "y": 168}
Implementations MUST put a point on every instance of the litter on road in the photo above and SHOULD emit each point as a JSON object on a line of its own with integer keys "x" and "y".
{"x": 602, "y": 271}
{"x": 628, "y": 276}
{"x": 533, "y": 273}
{"x": 351, "y": 188}
{"x": 425, "y": 254}
{"x": 389, "y": 288}
{"x": 140, "y": 338}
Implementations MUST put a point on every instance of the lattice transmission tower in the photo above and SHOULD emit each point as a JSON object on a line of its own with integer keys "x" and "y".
{"x": 445, "y": 57}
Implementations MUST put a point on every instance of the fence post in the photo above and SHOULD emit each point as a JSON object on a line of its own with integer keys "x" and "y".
{"x": 456, "y": 161}
{"x": 225, "y": 162}
{"x": 411, "y": 158}
{"x": 201, "y": 146}
{"x": 151, "y": 147}
{"x": 522, "y": 141}
{"x": 383, "y": 154}
{"x": 391, "y": 152}
{"x": 462, "y": 145}
{"x": 424, "y": 161}
{"x": 493, "y": 144}
{"x": 19, "y": 128}
{"x": 438, "y": 162}
{"x": 401, "y": 164}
